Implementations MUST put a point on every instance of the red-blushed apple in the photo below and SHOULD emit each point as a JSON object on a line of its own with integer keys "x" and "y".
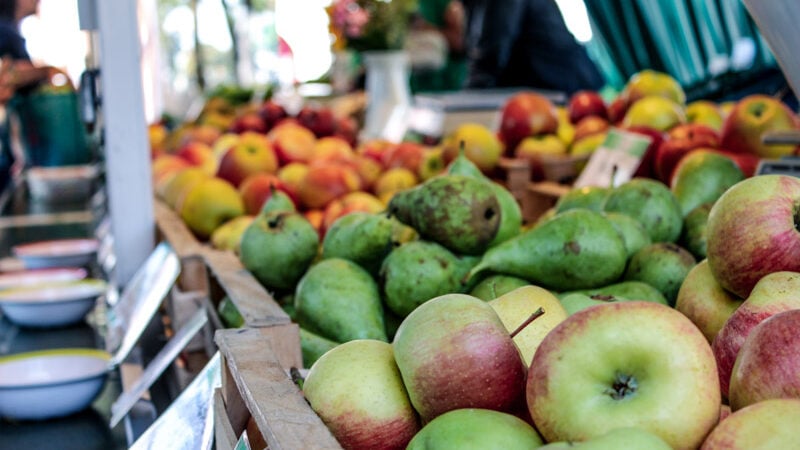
{"x": 271, "y": 113}
{"x": 257, "y": 188}
{"x": 332, "y": 148}
{"x": 480, "y": 145}
{"x": 769, "y": 362}
{"x": 681, "y": 140}
{"x": 251, "y": 154}
{"x": 368, "y": 170}
{"x": 174, "y": 188}
{"x": 166, "y": 165}
{"x": 753, "y": 231}
{"x": 292, "y": 142}
{"x": 526, "y": 114}
{"x": 224, "y": 143}
{"x": 647, "y": 163}
{"x": 724, "y": 412}
{"x": 774, "y": 293}
{"x": 356, "y": 389}
{"x": 314, "y": 217}
{"x": 375, "y": 148}
{"x": 319, "y": 119}
{"x": 454, "y": 352}
{"x": 650, "y": 82}
{"x": 200, "y": 155}
{"x": 347, "y": 129}
{"x": 585, "y": 104}
{"x": 704, "y": 302}
{"x": 753, "y": 116}
{"x": 204, "y": 133}
{"x": 537, "y": 150}
{"x": 208, "y": 204}
{"x": 590, "y": 125}
{"x": 291, "y": 175}
{"x": 704, "y": 112}
{"x": 617, "y": 109}
{"x": 747, "y": 162}
{"x": 624, "y": 364}
{"x": 654, "y": 111}
{"x": 348, "y": 203}
{"x": 404, "y": 154}
{"x": 325, "y": 182}
{"x": 248, "y": 121}
{"x": 767, "y": 424}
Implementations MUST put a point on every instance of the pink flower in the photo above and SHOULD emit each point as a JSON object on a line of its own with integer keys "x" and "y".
{"x": 350, "y": 17}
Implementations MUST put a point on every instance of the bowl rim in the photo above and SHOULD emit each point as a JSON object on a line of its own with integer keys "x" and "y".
{"x": 100, "y": 285}
{"x": 86, "y": 352}
{"x": 54, "y": 248}
{"x": 30, "y": 277}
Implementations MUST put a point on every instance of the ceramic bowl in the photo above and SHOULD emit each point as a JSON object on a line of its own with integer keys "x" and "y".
{"x": 61, "y": 184}
{"x": 57, "y": 253}
{"x": 51, "y": 383}
{"x": 53, "y": 304}
{"x": 21, "y": 278}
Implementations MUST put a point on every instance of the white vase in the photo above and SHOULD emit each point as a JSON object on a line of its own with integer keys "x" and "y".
{"x": 388, "y": 94}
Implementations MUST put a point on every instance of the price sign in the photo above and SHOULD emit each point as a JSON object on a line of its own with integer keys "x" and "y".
{"x": 615, "y": 161}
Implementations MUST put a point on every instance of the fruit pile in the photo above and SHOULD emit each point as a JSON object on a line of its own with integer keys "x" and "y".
{"x": 653, "y": 104}
{"x": 592, "y": 328}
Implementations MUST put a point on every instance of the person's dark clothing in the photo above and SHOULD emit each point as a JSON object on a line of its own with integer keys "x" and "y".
{"x": 12, "y": 44}
{"x": 518, "y": 43}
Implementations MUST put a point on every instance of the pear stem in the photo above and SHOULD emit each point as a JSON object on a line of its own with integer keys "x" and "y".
{"x": 536, "y": 314}
{"x": 493, "y": 290}
{"x": 603, "y": 297}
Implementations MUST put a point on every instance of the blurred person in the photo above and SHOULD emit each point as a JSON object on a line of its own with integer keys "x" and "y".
{"x": 439, "y": 27}
{"x": 526, "y": 43}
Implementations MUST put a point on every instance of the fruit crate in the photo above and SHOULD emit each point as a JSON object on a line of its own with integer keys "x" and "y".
{"x": 258, "y": 394}
{"x": 540, "y": 197}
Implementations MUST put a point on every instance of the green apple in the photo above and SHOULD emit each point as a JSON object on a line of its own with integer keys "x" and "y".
{"x": 625, "y": 364}
{"x": 655, "y": 112}
{"x": 356, "y": 389}
{"x": 626, "y": 438}
{"x": 652, "y": 82}
{"x": 704, "y": 112}
{"x": 704, "y": 301}
{"x": 475, "y": 429}
{"x": 769, "y": 424}
{"x": 454, "y": 352}
{"x": 515, "y": 307}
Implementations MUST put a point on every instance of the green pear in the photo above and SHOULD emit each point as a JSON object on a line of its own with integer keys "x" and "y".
{"x": 651, "y": 203}
{"x": 495, "y": 285}
{"x": 278, "y": 201}
{"x": 476, "y": 429}
{"x": 632, "y": 289}
{"x": 577, "y": 249}
{"x": 362, "y": 237}
{"x": 340, "y": 301}
{"x": 590, "y": 197}
{"x": 278, "y": 247}
{"x": 313, "y": 346}
{"x": 454, "y": 352}
{"x": 624, "y": 438}
{"x": 633, "y": 233}
{"x": 694, "y": 237}
{"x": 576, "y": 301}
{"x": 459, "y": 212}
{"x": 663, "y": 265}
{"x": 701, "y": 177}
{"x": 510, "y": 211}
{"x": 229, "y": 314}
{"x": 418, "y": 271}
{"x": 357, "y": 391}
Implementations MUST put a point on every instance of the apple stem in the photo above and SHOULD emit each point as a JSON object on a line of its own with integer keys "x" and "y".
{"x": 297, "y": 377}
{"x": 536, "y": 314}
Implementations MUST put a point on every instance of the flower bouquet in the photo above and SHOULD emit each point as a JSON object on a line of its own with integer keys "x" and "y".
{"x": 368, "y": 25}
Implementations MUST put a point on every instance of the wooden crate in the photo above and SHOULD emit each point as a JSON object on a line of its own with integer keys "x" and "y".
{"x": 539, "y": 197}
{"x": 171, "y": 229}
{"x": 259, "y": 395}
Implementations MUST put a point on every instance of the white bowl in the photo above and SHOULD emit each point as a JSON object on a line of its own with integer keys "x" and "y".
{"x": 51, "y": 383}
{"x": 53, "y": 304}
{"x": 57, "y": 253}
{"x": 20, "y": 278}
{"x": 61, "y": 184}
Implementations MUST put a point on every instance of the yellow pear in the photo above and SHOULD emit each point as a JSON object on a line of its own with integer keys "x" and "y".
{"x": 515, "y": 307}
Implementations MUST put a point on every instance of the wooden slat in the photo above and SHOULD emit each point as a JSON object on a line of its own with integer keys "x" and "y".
{"x": 256, "y": 305}
{"x": 224, "y": 436}
{"x": 172, "y": 229}
{"x": 283, "y": 416}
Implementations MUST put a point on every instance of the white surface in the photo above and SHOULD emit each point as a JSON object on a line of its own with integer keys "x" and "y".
{"x": 127, "y": 154}
{"x": 41, "y": 385}
{"x": 52, "y": 305}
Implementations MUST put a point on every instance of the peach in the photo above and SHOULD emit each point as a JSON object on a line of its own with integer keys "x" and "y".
{"x": 325, "y": 183}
